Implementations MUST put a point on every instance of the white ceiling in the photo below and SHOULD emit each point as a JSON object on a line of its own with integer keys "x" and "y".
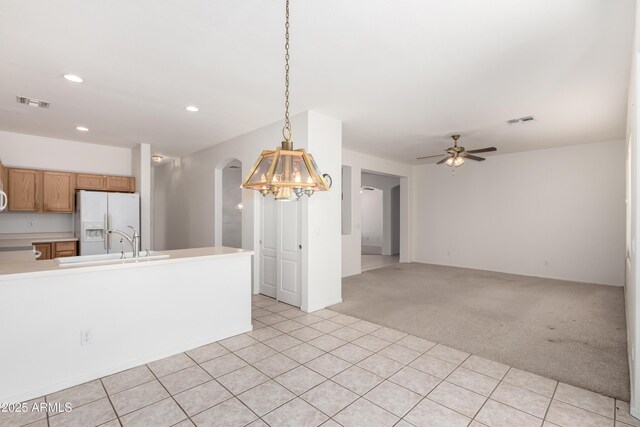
{"x": 402, "y": 75}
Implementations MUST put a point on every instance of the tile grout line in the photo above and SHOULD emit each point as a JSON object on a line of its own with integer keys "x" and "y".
{"x": 221, "y": 385}
{"x": 489, "y": 397}
{"x": 110, "y": 402}
{"x": 169, "y": 393}
{"x": 551, "y": 401}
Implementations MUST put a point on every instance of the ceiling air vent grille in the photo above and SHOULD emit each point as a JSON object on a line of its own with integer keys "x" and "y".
{"x": 32, "y": 102}
{"x": 521, "y": 120}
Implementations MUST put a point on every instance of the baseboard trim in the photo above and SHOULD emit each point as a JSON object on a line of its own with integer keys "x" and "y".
{"x": 320, "y": 307}
{"x": 564, "y": 279}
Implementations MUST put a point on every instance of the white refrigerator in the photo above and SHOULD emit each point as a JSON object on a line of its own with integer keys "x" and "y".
{"x": 97, "y": 212}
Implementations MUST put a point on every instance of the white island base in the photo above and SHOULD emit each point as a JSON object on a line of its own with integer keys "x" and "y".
{"x": 134, "y": 314}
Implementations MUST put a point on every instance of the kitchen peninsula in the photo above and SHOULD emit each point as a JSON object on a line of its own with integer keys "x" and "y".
{"x": 65, "y": 326}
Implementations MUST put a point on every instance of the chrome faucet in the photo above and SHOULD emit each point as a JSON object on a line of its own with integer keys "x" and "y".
{"x": 134, "y": 240}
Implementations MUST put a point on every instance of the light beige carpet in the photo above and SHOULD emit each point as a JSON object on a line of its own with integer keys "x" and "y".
{"x": 571, "y": 332}
{"x": 371, "y": 262}
{"x": 370, "y": 250}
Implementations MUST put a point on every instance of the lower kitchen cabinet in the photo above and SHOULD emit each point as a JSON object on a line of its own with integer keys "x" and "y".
{"x": 44, "y": 249}
{"x": 56, "y": 249}
{"x": 62, "y": 249}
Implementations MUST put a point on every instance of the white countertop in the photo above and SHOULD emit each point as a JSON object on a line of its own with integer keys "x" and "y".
{"x": 13, "y": 257}
{"x": 16, "y": 240}
{"x": 12, "y": 269}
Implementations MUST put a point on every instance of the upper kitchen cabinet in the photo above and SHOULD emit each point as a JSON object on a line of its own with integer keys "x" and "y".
{"x": 58, "y": 191}
{"x": 123, "y": 184}
{"x": 85, "y": 181}
{"x": 24, "y": 190}
{"x": 31, "y": 190}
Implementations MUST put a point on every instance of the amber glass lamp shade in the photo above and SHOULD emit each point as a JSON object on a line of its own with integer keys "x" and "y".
{"x": 285, "y": 172}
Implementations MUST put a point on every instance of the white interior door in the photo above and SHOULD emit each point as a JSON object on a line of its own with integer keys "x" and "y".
{"x": 288, "y": 253}
{"x": 280, "y": 269}
{"x": 268, "y": 248}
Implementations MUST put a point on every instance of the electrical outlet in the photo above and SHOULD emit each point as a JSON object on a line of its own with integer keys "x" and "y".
{"x": 85, "y": 337}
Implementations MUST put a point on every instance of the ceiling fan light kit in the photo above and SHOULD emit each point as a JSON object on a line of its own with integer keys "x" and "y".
{"x": 284, "y": 172}
{"x": 456, "y": 156}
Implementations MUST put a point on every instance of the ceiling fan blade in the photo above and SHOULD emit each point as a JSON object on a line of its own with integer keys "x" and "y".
{"x": 443, "y": 160}
{"x": 472, "y": 157}
{"x": 483, "y": 150}
{"x": 428, "y": 157}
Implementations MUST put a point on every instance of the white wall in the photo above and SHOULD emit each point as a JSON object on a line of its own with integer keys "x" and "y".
{"x": 351, "y": 243}
{"x": 37, "y": 152}
{"x": 556, "y": 213}
{"x": 395, "y": 220}
{"x": 322, "y": 229}
{"x": 632, "y": 296}
{"x": 141, "y": 169}
{"x": 186, "y": 201}
{"x": 371, "y": 220}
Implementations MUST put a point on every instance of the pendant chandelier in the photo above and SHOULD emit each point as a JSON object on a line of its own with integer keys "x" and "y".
{"x": 284, "y": 172}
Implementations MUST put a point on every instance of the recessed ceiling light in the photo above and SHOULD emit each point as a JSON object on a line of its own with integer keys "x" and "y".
{"x": 82, "y": 128}
{"x": 73, "y": 78}
{"x": 192, "y": 108}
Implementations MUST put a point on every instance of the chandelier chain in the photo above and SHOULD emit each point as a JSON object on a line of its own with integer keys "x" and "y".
{"x": 286, "y": 130}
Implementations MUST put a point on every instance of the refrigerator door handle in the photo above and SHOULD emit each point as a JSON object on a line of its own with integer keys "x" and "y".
{"x": 106, "y": 227}
{"x": 109, "y": 222}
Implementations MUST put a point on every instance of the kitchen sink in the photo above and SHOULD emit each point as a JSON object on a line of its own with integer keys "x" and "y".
{"x": 115, "y": 258}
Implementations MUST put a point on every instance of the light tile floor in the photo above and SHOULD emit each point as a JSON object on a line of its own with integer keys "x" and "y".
{"x": 325, "y": 368}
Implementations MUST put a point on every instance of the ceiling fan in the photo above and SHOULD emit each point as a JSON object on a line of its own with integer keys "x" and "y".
{"x": 457, "y": 155}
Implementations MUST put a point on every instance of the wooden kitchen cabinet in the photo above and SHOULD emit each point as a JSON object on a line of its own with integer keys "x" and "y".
{"x": 123, "y": 184}
{"x": 85, "y": 181}
{"x": 58, "y": 191}
{"x": 56, "y": 249}
{"x": 63, "y": 249}
{"x": 44, "y": 249}
{"x": 31, "y": 190}
{"x": 24, "y": 190}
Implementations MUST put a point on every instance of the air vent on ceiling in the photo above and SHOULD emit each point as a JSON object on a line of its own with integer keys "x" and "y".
{"x": 32, "y": 102}
{"x": 521, "y": 120}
